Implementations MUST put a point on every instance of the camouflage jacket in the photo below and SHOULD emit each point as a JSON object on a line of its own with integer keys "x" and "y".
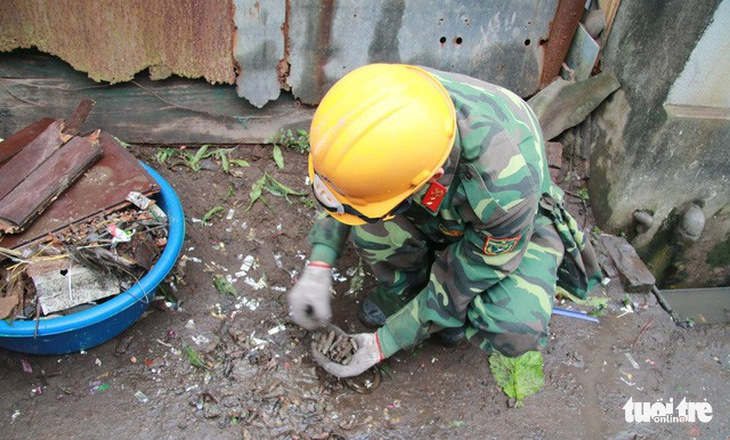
{"x": 493, "y": 182}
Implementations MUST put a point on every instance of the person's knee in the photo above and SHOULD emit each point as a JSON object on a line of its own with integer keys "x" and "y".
{"x": 515, "y": 344}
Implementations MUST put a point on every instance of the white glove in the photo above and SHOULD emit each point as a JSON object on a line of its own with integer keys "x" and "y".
{"x": 367, "y": 355}
{"x": 309, "y": 298}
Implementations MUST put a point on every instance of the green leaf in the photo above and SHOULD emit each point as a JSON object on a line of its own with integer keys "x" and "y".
{"x": 224, "y": 286}
{"x": 283, "y": 187}
{"x": 208, "y": 215}
{"x": 239, "y": 162}
{"x": 278, "y": 157}
{"x": 193, "y": 357}
{"x": 518, "y": 377}
{"x": 256, "y": 190}
{"x": 202, "y": 153}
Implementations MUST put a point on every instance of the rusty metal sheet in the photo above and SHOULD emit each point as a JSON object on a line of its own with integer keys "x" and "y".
{"x": 259, "y": 49}
{"x": 113, "y": 40}
{"x": 498, "y": 41}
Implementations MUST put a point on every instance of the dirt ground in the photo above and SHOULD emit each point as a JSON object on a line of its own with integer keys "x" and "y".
{"x": 260, "y": 381}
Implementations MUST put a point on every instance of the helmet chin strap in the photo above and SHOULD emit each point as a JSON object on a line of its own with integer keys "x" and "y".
{"x": 437, "y": 176}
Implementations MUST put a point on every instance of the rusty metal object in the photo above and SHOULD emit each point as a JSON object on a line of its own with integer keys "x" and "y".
{"x": 113, "y": 41}
{"x": 337, "y": 347}
{"x": 558, "y": 41}
{"x": 369, "y": 385}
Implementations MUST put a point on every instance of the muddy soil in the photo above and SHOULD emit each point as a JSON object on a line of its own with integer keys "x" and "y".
{"x": 260, "y": 382}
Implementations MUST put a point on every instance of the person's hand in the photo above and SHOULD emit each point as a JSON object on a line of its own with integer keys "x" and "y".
{"x": 309, "y": 299}
{"x": 366, "y": 354}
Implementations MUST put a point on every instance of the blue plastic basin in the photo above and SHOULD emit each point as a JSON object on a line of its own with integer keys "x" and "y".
{"x": 94, "y": 326}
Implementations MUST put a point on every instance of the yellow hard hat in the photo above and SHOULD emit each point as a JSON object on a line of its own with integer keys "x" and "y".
{"x": 379, "y": 134}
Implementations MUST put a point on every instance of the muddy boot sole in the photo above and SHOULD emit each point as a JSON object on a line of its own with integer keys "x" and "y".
{"x": 370, "y": 315}
{"x": 450, "y": 337}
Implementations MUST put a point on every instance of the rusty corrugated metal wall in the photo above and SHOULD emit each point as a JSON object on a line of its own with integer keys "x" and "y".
{"x": 113, "y": 40}
{"x": 298, "y": 45}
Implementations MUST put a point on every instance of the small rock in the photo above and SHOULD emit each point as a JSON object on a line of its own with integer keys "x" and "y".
{"x": 211, "y": 411}
{"x": 209, "y": 165}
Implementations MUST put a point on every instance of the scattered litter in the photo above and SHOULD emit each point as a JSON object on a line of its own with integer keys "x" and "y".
{"x": 256, "y": 285}
{"x": 230, "y": 214}
{"x": 251, "y": 304}
{"x": 26, "y": 365}
{"x": 84, "y": 263}
{"x": 97, "y": 387}
{"x": 257, "y": 342}
{"x": 190, "y": 324}
{"x": 200, "y": 340}
{"x": 146, "y": 204}
{"x": 120, "y": 235}
{"x": 248, "y": 263}
{"x": 141, "y": 397}
{"x": 632, "y": 361}
{"x": 277, "y": 260}
{"x": 37, "y": 391}
{"x": 627, "y": 382}
{"x": 98, "y": 362}
{"x": 277, "y": 329}
{"x": 336, "y": 276}
{"x": 15, "y": 415}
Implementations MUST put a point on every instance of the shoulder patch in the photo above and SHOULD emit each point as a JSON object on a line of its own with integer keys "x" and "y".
{"x": 498, "y": 246}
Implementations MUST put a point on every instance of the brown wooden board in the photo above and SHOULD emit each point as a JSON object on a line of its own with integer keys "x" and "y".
{"x": 73, "y": 124}
{"x": 104, "y": 186}
{"x": 20, "y": 166}
{"x": 17, "y": 141}
{"x": 33, "y": 195}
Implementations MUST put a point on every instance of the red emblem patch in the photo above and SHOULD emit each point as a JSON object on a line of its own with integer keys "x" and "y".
{"x": 434, "y": 196}
{"x": 497, "y": 246}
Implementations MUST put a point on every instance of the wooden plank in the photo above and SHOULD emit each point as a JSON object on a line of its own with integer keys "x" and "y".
{"x": 20, "y": 166}
{"x": 110, "y": 180}
{"x": 174, "y": 111}
{"x": 73, "y": 124}
{"x": 17, "y": 141}
{"x": 30, "y": 198}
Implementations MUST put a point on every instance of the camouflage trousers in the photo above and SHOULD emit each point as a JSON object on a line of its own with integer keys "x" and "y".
{"x": 511, "y": 317}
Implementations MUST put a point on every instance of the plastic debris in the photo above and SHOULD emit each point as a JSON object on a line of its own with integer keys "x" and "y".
{"x": 632, "y": 361}
{"x": 145, "y": 203}
{"x": 251, "y": 304}
{"x": 119, "y": 235}
{"x": 141, "y": 397}
{"x": 277, "y": 329}
{"x": 248, "y": 263}
{"x": 256, "y": 285}
{"x": 200, "y": 340}
{"x": 574, "y": 314}
{"x": 26, "y": 365}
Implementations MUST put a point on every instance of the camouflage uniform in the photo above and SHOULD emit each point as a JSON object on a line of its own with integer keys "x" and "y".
{"x": 480, "y": 248}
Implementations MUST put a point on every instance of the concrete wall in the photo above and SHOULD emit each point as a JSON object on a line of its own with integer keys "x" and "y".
{"x": 674, "y": 166}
